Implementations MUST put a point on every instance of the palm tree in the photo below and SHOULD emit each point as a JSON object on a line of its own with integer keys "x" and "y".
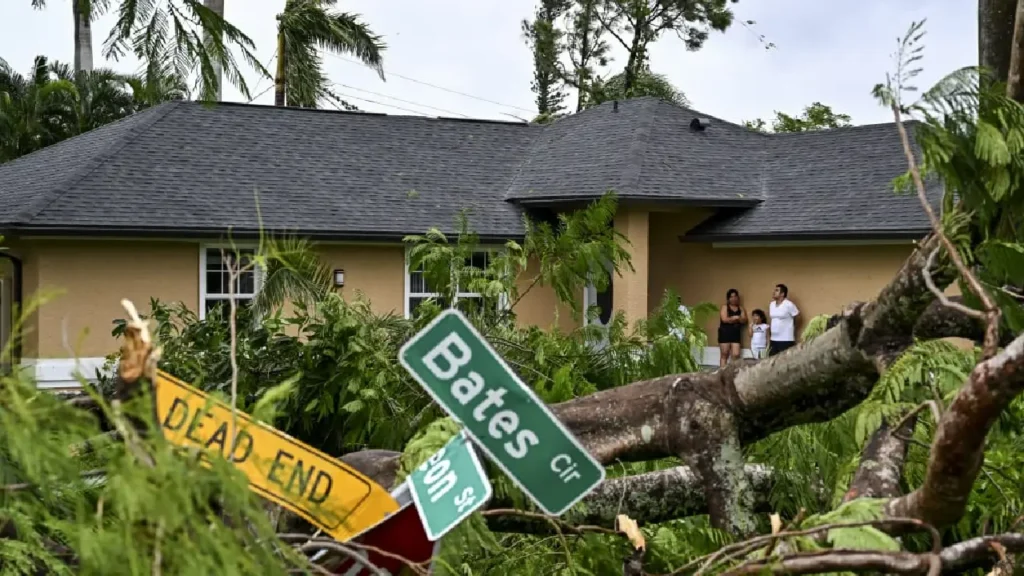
{"x": 292, "y": 272}
{"x": 82, "y": 14}
{"x": 54, "y": 102}
{"x": 217, "y": 7}
{"x": 192, "y": 36}
{"x": 33, "y": 109}
{"x": 303, "y": 28}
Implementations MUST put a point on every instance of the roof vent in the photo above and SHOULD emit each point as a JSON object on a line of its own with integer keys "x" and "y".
{"x": 615, "y": 106}
{"x": 699, "y": 124}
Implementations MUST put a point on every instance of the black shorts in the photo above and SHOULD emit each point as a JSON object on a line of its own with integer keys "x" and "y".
{"x": 729, "y": 334}
{"x": 778, "y": 347}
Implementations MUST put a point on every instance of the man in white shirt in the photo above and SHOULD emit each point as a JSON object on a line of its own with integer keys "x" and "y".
{"x": 783, "y": 327}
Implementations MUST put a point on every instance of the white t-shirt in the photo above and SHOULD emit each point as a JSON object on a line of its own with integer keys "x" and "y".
{"x": 759, "y": 336}
{"x": 782, "y": 320}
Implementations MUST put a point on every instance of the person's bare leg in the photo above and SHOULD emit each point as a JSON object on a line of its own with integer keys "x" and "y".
{"x": 723, "y": 354}
{"x": 734, "y": 351}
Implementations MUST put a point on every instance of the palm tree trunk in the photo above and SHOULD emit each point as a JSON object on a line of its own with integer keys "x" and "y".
{"x": 217, "y": 6}
{"x": 279, "y": 77}
{"x": 83, "y": 38}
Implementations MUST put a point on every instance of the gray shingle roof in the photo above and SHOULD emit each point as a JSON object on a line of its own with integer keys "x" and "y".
{"x": 830, "y": 183}
{"x": 185, "y": 168}
{"x": 643, "y": 149}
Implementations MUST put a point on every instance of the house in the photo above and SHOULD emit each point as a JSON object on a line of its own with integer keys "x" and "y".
{"x": 140, "y": 208}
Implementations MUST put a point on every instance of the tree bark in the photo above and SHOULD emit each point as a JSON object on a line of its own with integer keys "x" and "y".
{"x": 217, "y": 6}
{"x": 959, "y": 446}
{"x": 705, "y": 418}
{"x": 1014, "y": 85}
{"x": 83, "y": 37}
{"x": 881, "y": 463}
{"x": 995, "y": 35}
{"x": 280, "y": 81}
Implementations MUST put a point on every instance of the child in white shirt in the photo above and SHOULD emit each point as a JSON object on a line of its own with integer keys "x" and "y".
{"x": 759, "y": 331}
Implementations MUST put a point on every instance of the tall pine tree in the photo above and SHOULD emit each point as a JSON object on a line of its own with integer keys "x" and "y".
{"x": 545, "y": 39}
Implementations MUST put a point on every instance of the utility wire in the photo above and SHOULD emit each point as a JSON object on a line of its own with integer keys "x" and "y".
{"x": 401, "y": 100}
{"x": 397, "y": 75}
{"x": 349, "y": 96}
{"x": 272, "y": 84}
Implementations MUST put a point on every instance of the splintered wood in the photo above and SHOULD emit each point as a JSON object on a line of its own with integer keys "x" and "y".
{"x": 138, "y": 357}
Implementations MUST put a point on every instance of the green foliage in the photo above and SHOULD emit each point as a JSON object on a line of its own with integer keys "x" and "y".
{"x": 817, "y": 116}
{"x": 183, "y": 37}
{"x": 647, "y": 83}
{"x": 104, "y": 510}
{"x": 328, "y": 374}
{"x": 306, "y": 27}
{"x": 585, "y": 47}
{"x": 816, "y": 327}
{"x": 53, "y": 103}
{"x": 545, "y": 40}
{"x": 971, "y": 137}
{"x": 637, "y": 23}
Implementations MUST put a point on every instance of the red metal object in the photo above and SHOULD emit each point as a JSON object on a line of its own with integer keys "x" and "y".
{"x": 401, "y": 534}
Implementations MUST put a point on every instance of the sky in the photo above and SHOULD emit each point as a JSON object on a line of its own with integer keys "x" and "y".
{"x": 468, "y": 57}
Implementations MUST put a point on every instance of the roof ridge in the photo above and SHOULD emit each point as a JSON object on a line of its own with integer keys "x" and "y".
{"x": 527, "y": 159}
{"x": 638, "y": 148}
{"x": 38, "y": 207}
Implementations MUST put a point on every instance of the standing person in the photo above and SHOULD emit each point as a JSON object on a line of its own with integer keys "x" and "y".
{"x": 783, "y": 328}
{"x": 759, "y": 333}
{"x": 732, "y": 317}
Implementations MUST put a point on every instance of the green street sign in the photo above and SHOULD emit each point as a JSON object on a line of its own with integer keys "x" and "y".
{"x": 463, "y": 374}
{"x": 449, "y": 486}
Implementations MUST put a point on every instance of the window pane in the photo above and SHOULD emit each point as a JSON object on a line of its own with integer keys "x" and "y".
{"x": 220, "y": 308}
{"x": 213, "y": 259}
{"x": 416, "y": 283}
{"x": 415, "y": 303}
{"x": 246, "y": 282}
{"x": 479, "y": 260}
{"x": 213, "y": 283}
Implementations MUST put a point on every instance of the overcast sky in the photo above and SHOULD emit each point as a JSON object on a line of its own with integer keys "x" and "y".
{"x": 831, "y": 51}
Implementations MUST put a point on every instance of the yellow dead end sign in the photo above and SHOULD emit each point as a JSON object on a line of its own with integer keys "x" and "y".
{"x": 325, "y": 491}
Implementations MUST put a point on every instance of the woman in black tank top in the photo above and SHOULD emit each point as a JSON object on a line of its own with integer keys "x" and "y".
{"x": 732, "y": 317}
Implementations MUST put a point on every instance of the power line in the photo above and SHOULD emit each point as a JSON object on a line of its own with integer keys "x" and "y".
{"x": 417, "y": 112}
{"x": 401, "y": 100}
{"x": 272, "y": 84}
{"x": 397, "y": 75}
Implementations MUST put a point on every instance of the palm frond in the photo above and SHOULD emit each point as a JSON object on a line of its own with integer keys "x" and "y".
{"x": 308, "y": 26}
{"x": 293, "y": 272}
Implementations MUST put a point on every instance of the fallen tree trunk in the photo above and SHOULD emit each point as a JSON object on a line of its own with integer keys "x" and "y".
{"x": 705, "y": 419}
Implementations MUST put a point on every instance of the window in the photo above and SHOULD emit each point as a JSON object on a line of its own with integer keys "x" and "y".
{"x": 603, "y": 300}
{"x": 418, "y": 289}
{"x": 216, "y": 264}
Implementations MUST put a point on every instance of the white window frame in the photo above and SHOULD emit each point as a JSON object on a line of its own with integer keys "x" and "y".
{"x": 409, "y": 294}
{"x": 204, "y": 296}
{"x": 590, "y": 296}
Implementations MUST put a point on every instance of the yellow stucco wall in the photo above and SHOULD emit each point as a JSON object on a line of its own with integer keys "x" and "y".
{"x": 93, "y": 276}
{"x": 821, "y": 279}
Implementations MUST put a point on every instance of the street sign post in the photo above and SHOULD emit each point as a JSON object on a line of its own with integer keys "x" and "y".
{"x": 449, "y": 486}
{"x": 401, "y": 536}
{"x": 460, "y": 370}
{"x": 325, "y": 491}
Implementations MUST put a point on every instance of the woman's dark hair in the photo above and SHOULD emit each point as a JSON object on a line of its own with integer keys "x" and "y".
{"x": 730, "y": 292}
{"x": 783, "y": 290}
{"x": 758, "y": 313}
